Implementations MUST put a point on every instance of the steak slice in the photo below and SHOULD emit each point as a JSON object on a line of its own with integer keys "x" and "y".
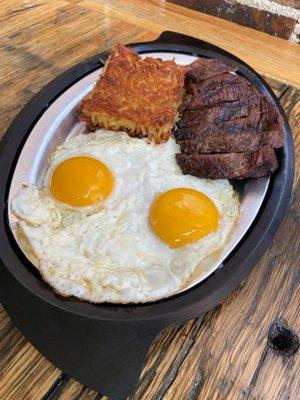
{"x": 203, "y": 69}
{"x": 273, "y": 137}
{"x": 213, "y": 97}
{"x": 253, "y": 123}
{"x": 230, "y": 143}
{"x": 234, "y": 143}
{"x": 251, "y": 164}
{"x": 207, "y": 131}
{"x": 221, "y": 113}
{"x": 275, "y": 118}
{"x": 216, "y": 82}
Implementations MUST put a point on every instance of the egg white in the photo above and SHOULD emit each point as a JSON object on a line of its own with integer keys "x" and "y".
{"x": 108, "y": 252}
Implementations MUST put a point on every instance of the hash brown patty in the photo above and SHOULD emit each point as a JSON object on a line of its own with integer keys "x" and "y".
{"x": 139, "y": 96}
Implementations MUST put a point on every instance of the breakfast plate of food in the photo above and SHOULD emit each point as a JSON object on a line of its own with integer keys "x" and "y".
{"x": 143, "y": 185}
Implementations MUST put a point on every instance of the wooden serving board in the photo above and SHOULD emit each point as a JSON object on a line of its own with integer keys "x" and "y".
{"x": 225, "y": 354}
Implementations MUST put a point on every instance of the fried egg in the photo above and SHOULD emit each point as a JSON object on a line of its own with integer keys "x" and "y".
{"x": 115, "y": 220}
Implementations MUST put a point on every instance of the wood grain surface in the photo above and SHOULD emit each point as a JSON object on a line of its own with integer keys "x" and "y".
{"x": 225, "y": 354}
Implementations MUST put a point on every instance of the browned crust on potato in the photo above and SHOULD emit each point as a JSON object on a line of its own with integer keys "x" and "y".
{"x": 139, "y": 96}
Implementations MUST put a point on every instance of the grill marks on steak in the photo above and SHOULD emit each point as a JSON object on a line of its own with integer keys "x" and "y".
{"x": 203, "y": 69}
{"x": 234, "y": 135}
{"x": 220, "y": 113}
{"x": 233, "y": 143}
{"x": 219, "y": 95}
{"x": 227, "y": 129}
{"x": 250, "y": 164}
{"x": 215, "y": 82}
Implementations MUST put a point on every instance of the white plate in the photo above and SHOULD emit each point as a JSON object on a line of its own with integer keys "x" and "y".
{"x": 60, "y": 121}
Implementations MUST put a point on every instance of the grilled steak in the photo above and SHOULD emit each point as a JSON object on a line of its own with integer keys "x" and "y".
{"x": 223, "y": 94}
{"x": 251, "y": 164}
{"x": 216, "y": 82}
{"x": 233, "y": 143}
{"x": 227, "y": 128}
{"x": 229, "y": 143}
{"x": 221, "y": 113}
{"x": 203, "y": 69}
{"x": 273, "y": 138}
{"x": 254, "y": 122}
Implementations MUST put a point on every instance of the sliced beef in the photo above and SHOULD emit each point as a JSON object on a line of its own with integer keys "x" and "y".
{"x": 213, "y": 97}
{"x": 255, "y": 122}
{"x": 216, "y": 82}
{"x": 203, "y": 69}
{"x": 273, "y": 138}
{"x": 230, "y": 143}
{"x": 275, "y": 118}
{"x": 221, "y": 113}
{"x": 233, "y": 143}
{"x": 251, "y": 164}
{"x": 223, "y": 80}
{"x": 227, "y": 128}
{"x": 254, "y": 112}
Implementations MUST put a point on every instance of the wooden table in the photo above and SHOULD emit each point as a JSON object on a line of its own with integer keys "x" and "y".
{"x": 223, "y": 355}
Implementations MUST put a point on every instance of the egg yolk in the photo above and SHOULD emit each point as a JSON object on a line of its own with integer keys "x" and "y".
{"x": 81, "y": 181}
{"x": 181, "y": 216}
